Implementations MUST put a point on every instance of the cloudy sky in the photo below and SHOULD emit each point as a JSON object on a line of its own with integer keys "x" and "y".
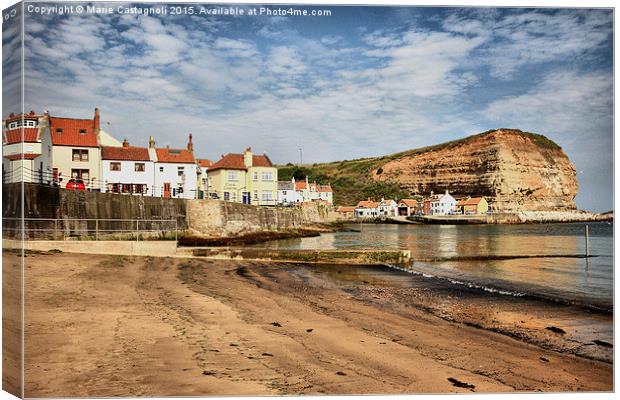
{"x": 365, "y": 81}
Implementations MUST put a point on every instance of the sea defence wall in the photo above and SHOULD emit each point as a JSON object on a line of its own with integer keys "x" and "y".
{"x": 219, "y": 218}
{"x": 73, "y": 213}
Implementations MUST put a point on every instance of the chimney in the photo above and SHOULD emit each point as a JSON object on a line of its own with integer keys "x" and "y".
{"x": 151, "y": 142}
{"x": 247, "y": 157}
{"x": 97, "y": 121}
{"x": 190, "y": 145}
{"x": 447, "y": 191}
{"x": 125, "y": 143}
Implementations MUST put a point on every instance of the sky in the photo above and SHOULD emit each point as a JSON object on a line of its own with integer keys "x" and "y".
{"x": 364, "y": 81}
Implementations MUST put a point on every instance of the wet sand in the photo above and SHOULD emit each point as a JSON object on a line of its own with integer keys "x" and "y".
{"x": 110, "y": 325}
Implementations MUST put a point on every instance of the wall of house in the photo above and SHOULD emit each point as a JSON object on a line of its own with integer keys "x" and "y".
{"x": 260, "y": 187}
{"x": 128, "y": 174}
{"x": 61, "y": 157}
{"x": 221, "y": 184}
{"x": 170, "y": 174}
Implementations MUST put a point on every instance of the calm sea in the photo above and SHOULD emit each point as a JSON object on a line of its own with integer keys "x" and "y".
{"x": 576, "y": 280}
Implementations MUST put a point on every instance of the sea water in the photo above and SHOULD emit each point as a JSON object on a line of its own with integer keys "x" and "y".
{"x": 463, "y": 255}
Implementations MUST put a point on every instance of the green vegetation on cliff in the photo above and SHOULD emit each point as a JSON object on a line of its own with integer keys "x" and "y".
{"x": 351, "y": 179}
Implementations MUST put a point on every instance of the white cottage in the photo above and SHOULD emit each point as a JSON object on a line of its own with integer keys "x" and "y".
{"x": 175, "y": 171}
{"x": 387, "y": 208}
{"x": 127, "y": 169}
{"x": 287, "y": 195}
{"x": 367, "y": 209}
{"x": 443, "y": 204}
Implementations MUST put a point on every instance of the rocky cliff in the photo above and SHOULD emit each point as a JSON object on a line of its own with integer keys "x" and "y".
{"x": 515, "y": 170}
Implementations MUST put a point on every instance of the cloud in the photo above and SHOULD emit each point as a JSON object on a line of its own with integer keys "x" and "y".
{"x": 278, "y": 85}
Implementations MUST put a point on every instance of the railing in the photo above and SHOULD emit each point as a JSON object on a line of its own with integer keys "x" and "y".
{"x": 89, "y": 228}
{"x": 25, "y": 174}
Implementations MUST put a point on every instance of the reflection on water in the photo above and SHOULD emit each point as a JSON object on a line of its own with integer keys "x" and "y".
{"x": 585, "y": 280}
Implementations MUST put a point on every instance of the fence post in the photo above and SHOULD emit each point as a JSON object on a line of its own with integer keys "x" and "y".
{"x": 55, "y": 229}
{"x": 587, "y": 240}
{"x": 97, "y": 229}
{"x": 137, "y": 233}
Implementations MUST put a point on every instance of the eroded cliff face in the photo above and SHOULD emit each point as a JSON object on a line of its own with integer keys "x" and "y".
{"x": 516, "y": 171}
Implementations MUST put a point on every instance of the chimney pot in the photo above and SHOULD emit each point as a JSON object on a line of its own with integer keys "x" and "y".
{"x": 125, "y": 143}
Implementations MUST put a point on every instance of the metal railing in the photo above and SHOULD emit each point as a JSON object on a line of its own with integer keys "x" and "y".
{"x": 89, "y": 228}
{"x": 41, "y": 177}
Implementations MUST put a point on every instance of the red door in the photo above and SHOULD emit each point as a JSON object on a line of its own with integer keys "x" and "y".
{"x": 166, "y": 189}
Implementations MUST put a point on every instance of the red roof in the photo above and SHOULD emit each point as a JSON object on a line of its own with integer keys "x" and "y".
{"x": 367, "y": 204}
{"x": 125, "y": 153}
{"x": 204, "y": 162}
{"x": 15, "y": 135}
{"x": 32, "y": 115}
{"x": 409, "y": 202}
{"x": 469, "y": 202}
{"x": 345, "y": 209}
{"x": 29, "y": 156}
{"x": 324, "y": 188}
{"x": 73, "y": 132}
{"x": 300, "y": 185}
{"x": 175, "y": 156}
{"x": 235, "y": 161}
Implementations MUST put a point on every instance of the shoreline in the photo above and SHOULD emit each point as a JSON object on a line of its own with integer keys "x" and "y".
{"x": 171, "y": 326}
{"x": 502, "y": 218}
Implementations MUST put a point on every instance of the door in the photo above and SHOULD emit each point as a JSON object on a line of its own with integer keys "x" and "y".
{"x": 166, "y": 189}
{"x": 246, "y": 197}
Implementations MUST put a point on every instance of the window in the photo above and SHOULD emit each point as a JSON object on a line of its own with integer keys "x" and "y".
{"x": 267, "y": 176}
{"x": 31, "y": 124}
{"x": 161, "y": 169}
{"x": 115, "y": 166}
{"x": 59, "y": 130}
{"x": 82, "y": 131}
{"x": 126, "y": 187}
{"x": 29, "y": 148}
{"x": 139, "y": 167}
{"x": 233, "y": 176}
{"x": 255, "y": 176}
{"x": 80, "y": 155}
{"x": 180, "y": 171}
{"x": 256, "y": 195}
{"x": 80, "y": 174}
{"x": 267, "y": 195}
{"x": 226, "y": 196}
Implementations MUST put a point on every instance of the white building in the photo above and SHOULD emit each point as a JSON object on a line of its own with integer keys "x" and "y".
{"x": 20, "y": 154}
{"x": 127, "y": 169}
{"x": 175, "y": 171}
{"x": 388, "y": 208}
{"x": 443, "y": 204}
{"x": 367, "y": 209}
{"x": 203, "y": 182}
{"x": 313, "y": 191}
{"x": 287, "y": 195}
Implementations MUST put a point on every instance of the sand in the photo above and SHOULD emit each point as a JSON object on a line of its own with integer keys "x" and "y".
{"x": 141, "y": 326}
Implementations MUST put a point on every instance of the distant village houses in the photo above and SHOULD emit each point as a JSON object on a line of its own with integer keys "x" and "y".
{"x": 303, "y": 191}
{"x": 434, "y": 204}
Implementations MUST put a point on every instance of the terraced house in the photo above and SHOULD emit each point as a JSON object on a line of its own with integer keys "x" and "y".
{"x": 244, "y": 178}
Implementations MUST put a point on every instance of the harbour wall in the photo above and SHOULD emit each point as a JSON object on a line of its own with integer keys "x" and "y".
{"x": 73, "y": 213}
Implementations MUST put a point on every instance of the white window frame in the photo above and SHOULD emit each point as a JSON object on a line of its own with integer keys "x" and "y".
{"x": 233, "y": 176}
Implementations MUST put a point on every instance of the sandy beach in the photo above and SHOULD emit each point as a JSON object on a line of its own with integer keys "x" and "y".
{"x": 142, "y": 326}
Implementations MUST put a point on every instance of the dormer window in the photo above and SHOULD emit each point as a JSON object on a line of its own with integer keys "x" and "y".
{"x": 82, "y": 131}
{"x": 59, "y": 130}
{"x": 176, "y": 152}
